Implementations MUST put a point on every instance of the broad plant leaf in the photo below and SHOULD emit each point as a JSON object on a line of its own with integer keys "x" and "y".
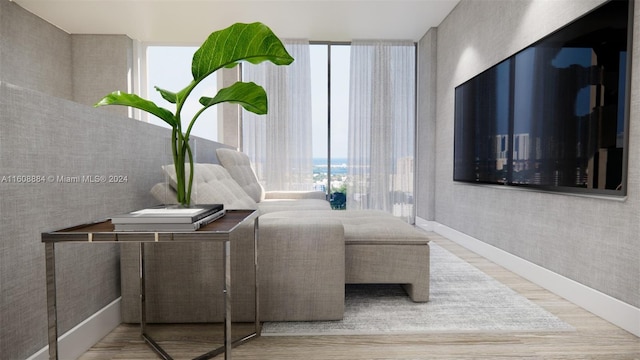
{"x": 167, "y": 95}
{"x": 184, "y": 93}
{"x": 250, "y": 96}
{"x": 125, "y": 99}
{"x": 254, "y": 43}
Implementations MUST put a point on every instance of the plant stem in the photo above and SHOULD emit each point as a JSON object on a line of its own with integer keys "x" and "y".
{"x": 176, "y": 163}
{"x": 182, "y": 148}
{"x": 189, "y": 187}
{"x": 193, "y": 121}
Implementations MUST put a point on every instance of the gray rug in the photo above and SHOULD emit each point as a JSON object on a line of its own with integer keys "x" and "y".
{"x": 462, "y": 299}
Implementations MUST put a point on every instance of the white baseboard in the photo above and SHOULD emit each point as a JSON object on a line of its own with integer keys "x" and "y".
{"x": 613, "y": 310}
{"x": 83, "y": 336}
{"x": 425, "y": 224}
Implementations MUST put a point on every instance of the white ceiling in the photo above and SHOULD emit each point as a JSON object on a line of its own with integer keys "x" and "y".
{"x": 191, "y": 21}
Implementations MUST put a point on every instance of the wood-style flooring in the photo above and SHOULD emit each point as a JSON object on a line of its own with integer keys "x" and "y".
{"x": 594, "y": 338}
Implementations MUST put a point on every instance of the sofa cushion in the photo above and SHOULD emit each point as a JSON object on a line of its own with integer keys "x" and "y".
{"x": 273, "y": 205}
{"x": 239, "y": 166}
{"x": 212, "y": 184}
{"x": 365, "y": 226}
{"x": 295, "y": 195}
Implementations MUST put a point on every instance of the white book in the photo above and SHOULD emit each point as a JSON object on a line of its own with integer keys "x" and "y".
{"x": 168, "y": 226}
{"x": 168, "y": 214}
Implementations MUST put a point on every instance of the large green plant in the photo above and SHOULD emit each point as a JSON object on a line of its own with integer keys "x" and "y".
{"x": 254, "y": 43}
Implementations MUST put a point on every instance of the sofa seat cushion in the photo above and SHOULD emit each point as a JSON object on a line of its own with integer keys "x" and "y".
{"x": 363, "y": 228}
{"x": 292, "y": 205}
{"x": 366, "y": 226}
{"x": 295, "y": 195}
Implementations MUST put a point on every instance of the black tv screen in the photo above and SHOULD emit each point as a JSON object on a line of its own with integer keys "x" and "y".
{"x": 554, "y": 114}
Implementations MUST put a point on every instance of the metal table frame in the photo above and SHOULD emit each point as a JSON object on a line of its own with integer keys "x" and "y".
{"x": 218, "y": 231}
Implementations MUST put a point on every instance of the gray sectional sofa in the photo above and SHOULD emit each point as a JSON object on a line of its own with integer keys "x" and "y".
{"x": 306, "y": 254}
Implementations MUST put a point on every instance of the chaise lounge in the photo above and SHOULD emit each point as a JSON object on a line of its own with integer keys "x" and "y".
{"x": 379, "y": 248}
{"x": 307, "y": 253}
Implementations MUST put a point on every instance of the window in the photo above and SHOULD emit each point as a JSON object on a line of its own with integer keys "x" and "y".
{"x": 330, "y": 104}
{"x": 169, "y": 67}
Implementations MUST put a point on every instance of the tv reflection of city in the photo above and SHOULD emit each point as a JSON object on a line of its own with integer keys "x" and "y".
{"x": 553, "y": 114}
{"x": 526, "y": 169}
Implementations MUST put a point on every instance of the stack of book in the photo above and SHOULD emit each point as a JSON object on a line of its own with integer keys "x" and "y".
{"x": 168, "y": 218}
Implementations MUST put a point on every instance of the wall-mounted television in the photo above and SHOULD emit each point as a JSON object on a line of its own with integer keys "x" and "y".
{"x": 554, "y": 115}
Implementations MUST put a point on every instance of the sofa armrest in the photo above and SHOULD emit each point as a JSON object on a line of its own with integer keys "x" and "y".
{"x": 302, "y": 269}
{"x": 294, "y": 195}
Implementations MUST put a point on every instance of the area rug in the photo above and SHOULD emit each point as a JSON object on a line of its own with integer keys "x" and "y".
{"x": 462, "y": 299}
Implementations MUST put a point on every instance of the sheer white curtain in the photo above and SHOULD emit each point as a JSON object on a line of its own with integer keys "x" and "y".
{"x": 279, "y": 143}
{"x": 381, "y": 127}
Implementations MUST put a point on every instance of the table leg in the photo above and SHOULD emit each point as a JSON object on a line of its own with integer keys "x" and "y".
{"x": 143, "y": 303}
{"x": 227, "y": 299}
{"x": 143, "y": 309}
{"x": 258, "y": 329}
{"x": 52, "y": 311}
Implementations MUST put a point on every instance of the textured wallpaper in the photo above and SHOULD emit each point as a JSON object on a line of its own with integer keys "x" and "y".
{"x": 49, "y": 146}
{"x": 592, "y": 240}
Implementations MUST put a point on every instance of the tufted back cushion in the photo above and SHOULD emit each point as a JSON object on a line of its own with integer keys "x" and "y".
{"x": 212, "y": 184}
{"x": 239, "y": 166}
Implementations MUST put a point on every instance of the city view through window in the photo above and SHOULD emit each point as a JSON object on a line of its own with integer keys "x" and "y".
{"x": 330, "y": 104}
{"x": 168, "y": 67}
